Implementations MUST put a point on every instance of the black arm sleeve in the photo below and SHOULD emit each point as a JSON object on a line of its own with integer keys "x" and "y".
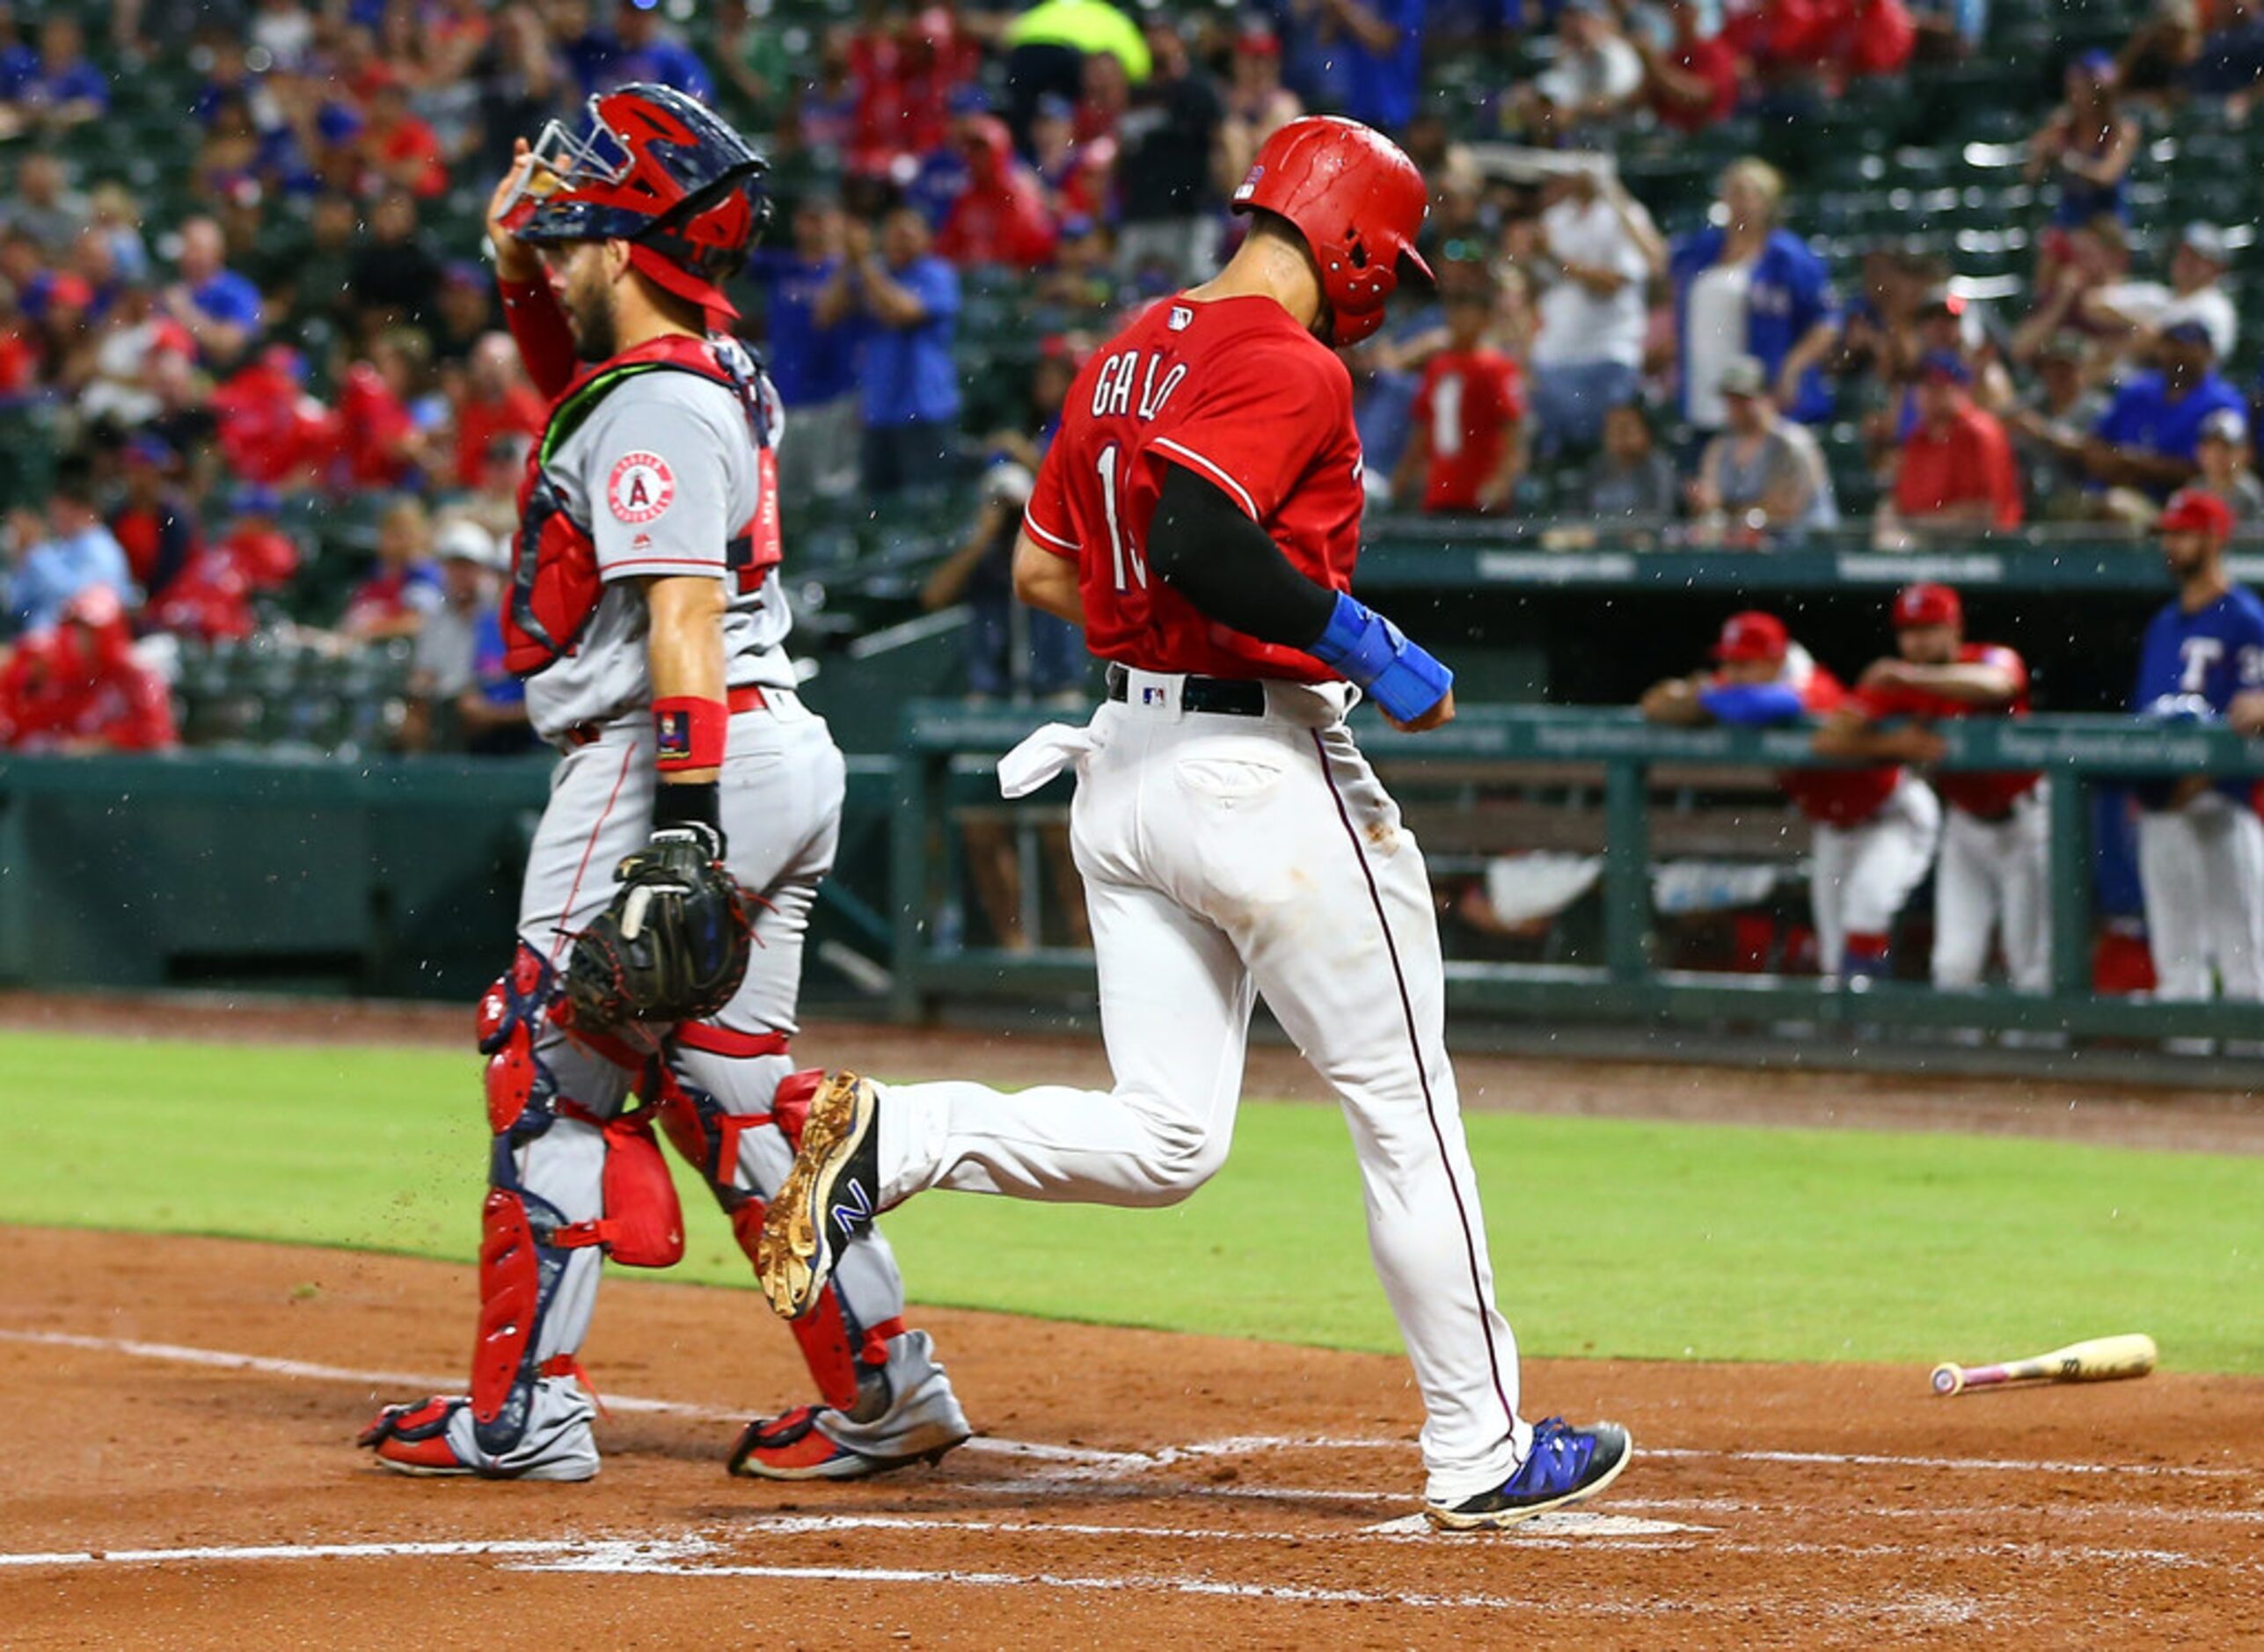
{"x": 1202, "y": 545}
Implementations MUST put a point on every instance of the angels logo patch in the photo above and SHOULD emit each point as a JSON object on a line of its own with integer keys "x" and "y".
{"x": 641, "y": 486}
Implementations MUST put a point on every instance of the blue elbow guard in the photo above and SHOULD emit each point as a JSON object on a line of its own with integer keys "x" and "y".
{"x": 1399, "y": 675}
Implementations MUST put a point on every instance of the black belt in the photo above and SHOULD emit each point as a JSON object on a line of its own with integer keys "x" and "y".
{"x": 1220, "y": 696}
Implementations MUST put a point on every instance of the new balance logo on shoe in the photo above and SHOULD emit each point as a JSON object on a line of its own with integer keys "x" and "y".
{"x": 854, "y": 1215}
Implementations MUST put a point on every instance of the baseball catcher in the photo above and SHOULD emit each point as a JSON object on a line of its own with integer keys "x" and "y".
{"x": 696, "y": 806}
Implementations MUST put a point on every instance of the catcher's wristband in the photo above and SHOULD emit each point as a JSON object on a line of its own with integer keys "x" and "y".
{"x": 688, "y": 732}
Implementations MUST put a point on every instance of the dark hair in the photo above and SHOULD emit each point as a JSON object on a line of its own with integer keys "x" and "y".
{"x": 74, "y": 479}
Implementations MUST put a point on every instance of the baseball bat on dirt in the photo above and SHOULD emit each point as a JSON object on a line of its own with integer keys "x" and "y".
{"x": 2101, "y": 1359}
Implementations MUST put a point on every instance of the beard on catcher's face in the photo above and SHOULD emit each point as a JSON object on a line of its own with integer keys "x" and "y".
{"x": 585, "y": 292}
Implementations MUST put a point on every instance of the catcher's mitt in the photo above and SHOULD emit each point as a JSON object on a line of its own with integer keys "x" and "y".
{"x": 673, "y": 944}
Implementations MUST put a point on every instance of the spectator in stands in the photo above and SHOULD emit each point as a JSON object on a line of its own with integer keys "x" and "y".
{"x": 2051, "y": 427}
{"x": 1747, "y": 287}
{"x": 302, "y": 272}
{"x": 79, "y": 688}
{"x": 219, "y": 307}
{"x": 459, "y": 699}
{"x": 1051, "y": 45}
{"x": 45, "y": 206}
{"x": 2142, "y": 311}
{"x": 64, "y": 91}
{"x": 2094, "y": 256}
{"x": 1630, "y": 480}
{"x": 1868, "y": 38}
{"x": 1011, "y": 653}
{"x": 211, "y": 599}
{"x": 1467, "y": 449}
{"x": 813, "y": 363}
{"x": 1596, "y": 78}
{"x": 393, "y": 275}
{"x": 154, "y": 522}
{"x": 1956, "y": 473}
{"x": 406, "y": 149}
{"x": 1077, "y": 174}
{"x": 521, "y": 76}
{"x": 464, "y": 311}
{"x": 755, "y": 64}
{"x": 644, "y": 48}
{"x": 2224, "y": 466}
{"x": 2154, "y": 62}
{"x": 492, "y": 399}
{"x": 1692, "y": 80}
{"x": 495, "y": 500}
{"x": 2231, "y": 60}
{"x": 73, "y": 551}
{"x": 906, "y": 302}
{"x": 1597, "y": 251}
{"x": 114, "y": 212}
{"x": 1166, "y": 181}
{"x": 1378, "y": 45}
{"x": 2149, "y": 442}
{"x": 1080, "y": 281}
{"x": 405, "y": 586}
{"x": 1000, "y": 218}
{"x": 2086, "y": 147}
{"x": 1258, "y": 104}
{"x": 1764, "y": 475}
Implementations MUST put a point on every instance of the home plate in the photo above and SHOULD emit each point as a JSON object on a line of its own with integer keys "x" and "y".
{"x": 1564, "y": 1523}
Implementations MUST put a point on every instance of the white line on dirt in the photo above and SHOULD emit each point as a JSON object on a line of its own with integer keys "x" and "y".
{"x": 1085, "y": 1461}
{"x": 1569, "y": 1524}
{"x": 598, "y": 1550}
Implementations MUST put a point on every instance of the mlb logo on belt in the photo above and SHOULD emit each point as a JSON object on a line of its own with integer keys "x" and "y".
{"x": 671, "y": 730}
{"x": 1152, "y": 695}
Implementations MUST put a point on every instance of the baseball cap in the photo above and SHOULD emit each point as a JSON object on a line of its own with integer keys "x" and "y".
{"x": 1744, "y": 375}
{"x": 1752, "y": 635}
{"x": 460, "y": 540}
{"x": 1944, "y": 364}
{"x": 2188, "y": 331}
{"x": 2226, "y": 425}
{"x": 1927, "y": 604}
{"x": 2099, "y": 65}
{"x": 2195, "y": 510}
{"x": 2208, "y": 240}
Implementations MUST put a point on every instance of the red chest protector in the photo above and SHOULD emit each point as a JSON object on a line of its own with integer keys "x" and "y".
{"x": 555, "y": 585}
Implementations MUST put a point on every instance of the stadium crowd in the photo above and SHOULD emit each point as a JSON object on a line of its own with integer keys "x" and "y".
{"x": 314, "y": 331}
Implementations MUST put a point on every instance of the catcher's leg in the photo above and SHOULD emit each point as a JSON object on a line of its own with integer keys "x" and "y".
{"x": 570, "y": 1176}
{"x": 884, "y": 1401}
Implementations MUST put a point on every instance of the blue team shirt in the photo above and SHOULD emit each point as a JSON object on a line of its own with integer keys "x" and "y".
{"x": 228, "y": 297}
{"x": 2215, "y": 653}
{"x": 2142, "y": 415}
{"x": 809, "y": 364}
{"x": 1789, "y": 293}
{"x": 1380, "y": 87}
{"x": 907, "y": 373}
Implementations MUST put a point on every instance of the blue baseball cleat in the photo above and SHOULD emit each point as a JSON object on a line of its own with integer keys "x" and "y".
{"x": 1565, "y": 1465}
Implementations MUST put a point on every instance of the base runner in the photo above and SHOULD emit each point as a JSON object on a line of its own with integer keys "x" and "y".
{"x": 1992, "y": 880}
{"x": 1199, "y": 515}
{"x": 645, "y": 616}
{"x": 2200, "y": 846}
{"x": 1873, "y": 828}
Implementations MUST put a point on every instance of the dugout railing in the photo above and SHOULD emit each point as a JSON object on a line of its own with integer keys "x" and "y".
{"x": 948, "y": 751}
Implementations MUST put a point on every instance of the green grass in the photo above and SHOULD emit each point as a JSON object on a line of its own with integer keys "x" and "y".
{"x": 1609, "y": 1238}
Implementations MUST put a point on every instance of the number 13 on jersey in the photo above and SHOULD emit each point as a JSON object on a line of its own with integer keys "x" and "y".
{"x": 1123, "y": 550}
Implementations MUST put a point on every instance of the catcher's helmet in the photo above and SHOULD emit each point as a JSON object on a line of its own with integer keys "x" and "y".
{"x": 659, "y": 171}
{"x": 1359, "y": 202}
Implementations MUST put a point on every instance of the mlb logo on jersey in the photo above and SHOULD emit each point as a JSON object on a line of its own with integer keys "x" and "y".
{"x": 672, "y": 733}
{"x": 1182, "y": 318}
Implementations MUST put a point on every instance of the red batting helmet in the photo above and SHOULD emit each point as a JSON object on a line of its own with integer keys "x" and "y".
{"x": 1359, "y": 202}
{"x": 659, "y": 170}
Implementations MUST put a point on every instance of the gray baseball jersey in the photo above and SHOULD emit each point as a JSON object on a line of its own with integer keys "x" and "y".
{"x": 667, "y": 474}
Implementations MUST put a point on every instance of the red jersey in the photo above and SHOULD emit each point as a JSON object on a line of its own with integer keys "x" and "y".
{"x": 1835, "y": 797}
{"x": 1238, "y": 394}
{"x": 1986, "y": 795}
{"x": 521, "y": 412}
{"x": 74, "y": 685}
{"x": 1711, "y": 59}
{"x": 1468, "y": 401}
{"x": 1970, "y": 461}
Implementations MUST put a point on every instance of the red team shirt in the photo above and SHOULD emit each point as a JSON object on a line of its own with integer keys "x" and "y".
{"x": 1835, "y": 797}
{"x": 1236, "y": 392}
{"x": 1985, "y": 795}
{"x": 1468, "y": 401}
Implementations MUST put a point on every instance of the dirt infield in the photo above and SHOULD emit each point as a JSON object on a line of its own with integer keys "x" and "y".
{"x": 177, "y": 1472}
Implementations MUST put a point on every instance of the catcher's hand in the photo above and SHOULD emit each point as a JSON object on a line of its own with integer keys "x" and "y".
{"x": 673, "y": 944}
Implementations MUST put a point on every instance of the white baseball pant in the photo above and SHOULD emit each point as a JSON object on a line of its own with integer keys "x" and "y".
{"x": 2201, "y": 871}
{"x": 1994, "y": 878}
{"x": 1862, "y": 875}
{"x": 1224, "y": 858}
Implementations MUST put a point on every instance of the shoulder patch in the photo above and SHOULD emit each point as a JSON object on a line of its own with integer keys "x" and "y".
{"x": 641, "y": 486}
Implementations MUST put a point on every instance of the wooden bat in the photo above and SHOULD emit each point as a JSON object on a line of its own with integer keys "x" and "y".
{"x": 2101, "y": 1359}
